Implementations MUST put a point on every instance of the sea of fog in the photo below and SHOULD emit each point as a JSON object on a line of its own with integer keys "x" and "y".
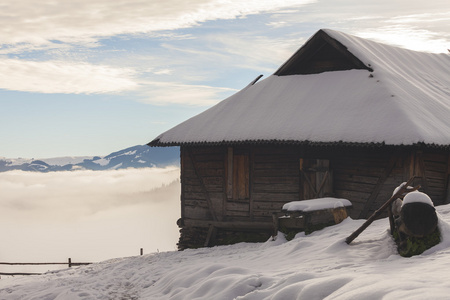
{"x": 89, "y": 216}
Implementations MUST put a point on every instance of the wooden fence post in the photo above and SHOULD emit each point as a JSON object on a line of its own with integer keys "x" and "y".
{"x": 70, "y": 262}
{"x": 142, "y": 251}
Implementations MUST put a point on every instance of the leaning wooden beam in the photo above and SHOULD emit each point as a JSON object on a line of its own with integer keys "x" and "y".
{"x": 404, "y": 189}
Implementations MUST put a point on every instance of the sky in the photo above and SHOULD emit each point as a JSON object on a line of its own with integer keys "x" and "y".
{"x": 90, "y": 77}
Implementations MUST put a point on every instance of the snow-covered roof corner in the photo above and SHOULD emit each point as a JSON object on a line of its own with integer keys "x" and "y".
{"x": 381, "y": 94}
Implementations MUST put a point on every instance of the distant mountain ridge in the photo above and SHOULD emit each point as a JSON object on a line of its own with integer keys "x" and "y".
{"x": 141, "y": 156}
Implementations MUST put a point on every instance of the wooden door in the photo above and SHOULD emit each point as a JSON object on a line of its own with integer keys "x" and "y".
{"x": 316, "y": 178}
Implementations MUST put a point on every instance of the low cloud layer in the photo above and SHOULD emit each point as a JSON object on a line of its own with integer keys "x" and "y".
{"x": 88, "y": 215}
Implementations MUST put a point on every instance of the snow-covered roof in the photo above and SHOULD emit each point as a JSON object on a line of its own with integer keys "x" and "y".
{"x": 388, "y": 95}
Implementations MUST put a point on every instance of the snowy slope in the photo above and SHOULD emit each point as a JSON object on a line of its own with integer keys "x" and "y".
{"x": 317, "y": 266}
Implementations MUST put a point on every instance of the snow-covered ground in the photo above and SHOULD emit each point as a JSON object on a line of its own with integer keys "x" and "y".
{"x": 316, "y": 266}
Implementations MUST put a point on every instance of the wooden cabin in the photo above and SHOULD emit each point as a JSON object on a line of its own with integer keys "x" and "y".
{"x": 344, "y": 117}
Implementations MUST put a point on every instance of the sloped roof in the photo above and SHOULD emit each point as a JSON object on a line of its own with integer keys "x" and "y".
{"x": 380, "y": 94}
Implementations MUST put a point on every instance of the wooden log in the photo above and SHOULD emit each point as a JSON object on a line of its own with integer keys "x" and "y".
{"x": 418, "y": 219}
{"x": 339, "y": 214}
{"x": 400, "y": 192}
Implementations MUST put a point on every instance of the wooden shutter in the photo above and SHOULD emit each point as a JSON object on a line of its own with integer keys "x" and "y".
{"x": 238, "y": 178}
{"x": 241, "y": 176}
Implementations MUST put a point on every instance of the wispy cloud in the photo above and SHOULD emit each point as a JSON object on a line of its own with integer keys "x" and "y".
{"x": 255, "y": 51}
{"x": 83, "y": 21}
{"x": 184, "y": 66}
{"x": 422, "y": 32}
{"x": 409, "y": 37}
{"x": 63, "y": 77}
{"x": 47, "y": 45}
{"x": 414, "y": 25}
{"x": 163, "y": 93}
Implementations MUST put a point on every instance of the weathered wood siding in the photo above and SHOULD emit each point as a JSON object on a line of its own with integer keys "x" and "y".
{"x": 367, "y": 178}
{"x": 433, "y": 168}
{"x": 202, "y": 182}
{"x": 276, "y": 180}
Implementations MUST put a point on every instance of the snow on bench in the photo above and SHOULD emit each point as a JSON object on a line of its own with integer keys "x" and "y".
{"x": 316, "y": 204}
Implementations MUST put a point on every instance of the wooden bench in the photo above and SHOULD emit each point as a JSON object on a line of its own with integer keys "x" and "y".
{"x": 310, "y": 215}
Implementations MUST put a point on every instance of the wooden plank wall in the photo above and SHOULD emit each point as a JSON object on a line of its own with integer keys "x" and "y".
{"x": 203, "y": 177}
{"x": 435, "y": 165}
{"x": 360, "y": 176}
{"x": 275, "y": 180}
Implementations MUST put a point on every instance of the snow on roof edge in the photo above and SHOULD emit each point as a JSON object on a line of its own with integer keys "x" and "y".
{"x": 157, "y": 143}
